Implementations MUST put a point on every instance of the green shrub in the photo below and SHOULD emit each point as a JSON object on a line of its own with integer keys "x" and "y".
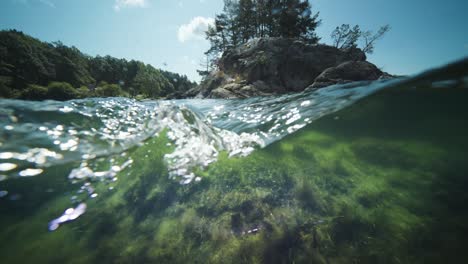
{"x": 61, "y": 91}
{"x": 110, "y": 90}
{"x": 7, "y": 89}
{"x": 83, "y": 92}
{"x": 34, "y": 92}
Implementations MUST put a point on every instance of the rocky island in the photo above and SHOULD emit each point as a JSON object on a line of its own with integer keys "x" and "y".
{"x": 262, "y": 48}
{"x": 267, "y": 66}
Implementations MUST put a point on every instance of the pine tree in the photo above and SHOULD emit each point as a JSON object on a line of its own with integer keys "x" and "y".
{"x": 246, "y": 20}
{"x": 262, "y": 14}
{"x": 243, "y": 20}
{"x": 296, "y": 21}
{"x": 231, "y": 11}
{"x": 307, "y": 23}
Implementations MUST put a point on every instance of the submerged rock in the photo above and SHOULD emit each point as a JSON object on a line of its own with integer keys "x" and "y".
{"x": 267, "y": 66}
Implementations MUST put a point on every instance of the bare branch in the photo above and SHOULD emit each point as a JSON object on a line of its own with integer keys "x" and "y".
{"x": 370, "y": 39}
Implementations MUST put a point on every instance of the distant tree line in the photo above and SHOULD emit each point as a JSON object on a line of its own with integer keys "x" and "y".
{"x": 31, "y": 69}
{"x": 243, "y": 20}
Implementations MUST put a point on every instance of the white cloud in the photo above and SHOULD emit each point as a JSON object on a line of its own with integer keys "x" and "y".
{"x": 119, "y": 4}
{"x": 195, "y": 29}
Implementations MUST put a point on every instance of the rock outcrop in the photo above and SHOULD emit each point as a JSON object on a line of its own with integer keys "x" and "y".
{"x": 269, "y": 66}
{"x": 350, "y": 71}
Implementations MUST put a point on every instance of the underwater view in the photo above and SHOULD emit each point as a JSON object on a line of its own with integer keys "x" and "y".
{"x": 233, "y": 132}
{"x": 358, "y": 173}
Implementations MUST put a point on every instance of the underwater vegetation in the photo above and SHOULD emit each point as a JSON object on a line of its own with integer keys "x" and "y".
{"x": 381, "y": 181}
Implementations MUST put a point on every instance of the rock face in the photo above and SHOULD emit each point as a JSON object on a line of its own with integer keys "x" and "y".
{"x": 346, "y": 72}
{"x": 269, "y": 66}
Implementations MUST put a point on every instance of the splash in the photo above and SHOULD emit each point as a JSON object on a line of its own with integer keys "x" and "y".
{"x": 37, "y": 135}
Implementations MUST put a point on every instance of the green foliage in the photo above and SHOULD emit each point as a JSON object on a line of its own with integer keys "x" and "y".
{"x": 34, "y": 92}
{"x": 150, "y": 82}
{"x": 295, "y": 20}
{"x": 109, "y": 90}
{"x": 246, "y": 20}
{"x": 25, "y": 61}
{"x": 61, "y": 91}
{"x": 83, "y": 92}
{"x": 28, "y": 60}
{"x": 180, "y": 82}
{"x": 71, "y": 65}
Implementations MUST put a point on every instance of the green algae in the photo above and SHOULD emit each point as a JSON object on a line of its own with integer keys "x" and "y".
{"x": 383, "y": 181}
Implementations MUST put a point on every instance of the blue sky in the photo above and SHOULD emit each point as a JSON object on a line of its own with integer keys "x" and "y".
{"x": 167, "y": 33}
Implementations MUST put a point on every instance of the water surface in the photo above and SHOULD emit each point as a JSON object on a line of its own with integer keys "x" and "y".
{"x": 357, "y": 173}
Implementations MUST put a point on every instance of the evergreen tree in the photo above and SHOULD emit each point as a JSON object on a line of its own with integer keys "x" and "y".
{"x": 246, "y": 20}
{"x": 217, "y": 36}
{"x": 232, "y": 29}
{"x": 243, "y": 20}
{"x": 296, "y": 21}
{"x": 261, "y": 16}
{"x": 307, "y": 23}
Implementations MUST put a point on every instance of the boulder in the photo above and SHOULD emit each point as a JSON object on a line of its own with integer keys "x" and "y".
{"x": 350, "y": 71}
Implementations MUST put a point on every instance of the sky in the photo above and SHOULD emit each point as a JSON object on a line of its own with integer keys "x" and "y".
{"x": 168, "y": 34}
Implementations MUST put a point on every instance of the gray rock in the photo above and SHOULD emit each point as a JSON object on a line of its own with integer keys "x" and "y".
{"x": 211, "y": 82}
{"x": 237, "y": 90}
{"x": 346, "y": 72}
{"x": 223, "y": 93}
{"x": 267, "y": 66}
{"x": 227, "y": 91}
{"x": 287, "y": 64}
{"x": 251, "y": 91}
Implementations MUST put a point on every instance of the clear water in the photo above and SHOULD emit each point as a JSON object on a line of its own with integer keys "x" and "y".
{"x": 357, "y": 173}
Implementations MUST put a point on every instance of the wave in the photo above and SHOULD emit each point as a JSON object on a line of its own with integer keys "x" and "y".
{"x": 37, "y": 135}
